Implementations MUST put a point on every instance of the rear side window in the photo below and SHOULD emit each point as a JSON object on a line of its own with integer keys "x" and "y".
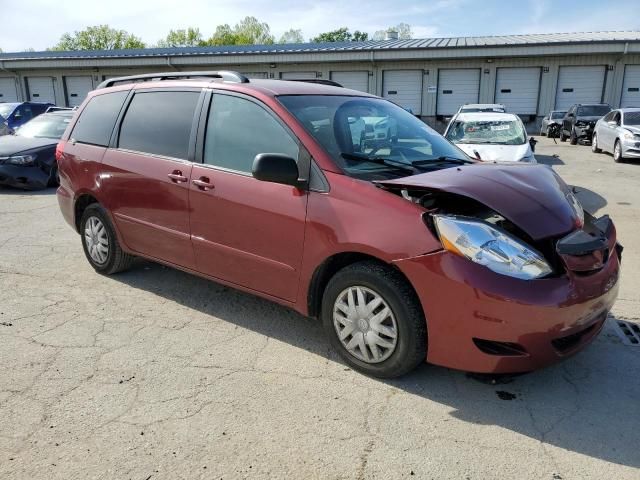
{"x": 98, "y": 118}
{"x": 238, "y": 130}
{"x": 159, "y": 123}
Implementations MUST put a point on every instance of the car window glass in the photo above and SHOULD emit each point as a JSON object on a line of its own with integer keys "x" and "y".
{"x": 632, "y": 118}
{"x": 159, "y": 123}
{"x": 616, "y": 118}
{"x": 97, "y": 119}
{"x": 25, "y": 113}
{"x": 607, "y": 117}
{"x": 238, "y": 130}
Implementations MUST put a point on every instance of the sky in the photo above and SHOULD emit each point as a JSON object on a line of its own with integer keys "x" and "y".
{"x": 38, "y": 24}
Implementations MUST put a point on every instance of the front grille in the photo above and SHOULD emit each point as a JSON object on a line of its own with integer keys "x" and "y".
{"x": 505, "y": 349}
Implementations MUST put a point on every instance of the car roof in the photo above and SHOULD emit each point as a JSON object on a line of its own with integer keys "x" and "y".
{"x": 479, "y": 105}
{"x": 487, "y": 116}
{"x": 628, "y": 109}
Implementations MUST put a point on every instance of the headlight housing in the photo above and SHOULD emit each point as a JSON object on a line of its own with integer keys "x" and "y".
{"x": 22, "y": 160}
{"x": 481, "y": 243}
{"x": 628, "y": 136}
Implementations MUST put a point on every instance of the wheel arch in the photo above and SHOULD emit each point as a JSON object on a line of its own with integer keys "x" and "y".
{"x": 80, "y": 204}
{"x": 332, "y": 265}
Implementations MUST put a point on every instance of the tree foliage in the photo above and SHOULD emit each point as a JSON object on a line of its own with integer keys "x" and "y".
{"x": 249, "y": 31}
{"x": 292, "y": 36}
{"x": 403, "y": 29}
{"x": 100, "y": 37}
{"x": 191, "y": 37}
{"x": 341, "y": 35}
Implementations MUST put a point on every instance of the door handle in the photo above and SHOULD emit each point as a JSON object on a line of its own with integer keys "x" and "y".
{"x": 177, "y": 177}
{"x": 203, "y": 183}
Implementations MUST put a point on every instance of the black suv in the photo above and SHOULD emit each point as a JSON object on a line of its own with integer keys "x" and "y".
{"x": 580, "y": 120}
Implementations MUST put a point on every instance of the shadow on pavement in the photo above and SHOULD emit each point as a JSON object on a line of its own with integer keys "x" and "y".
{"x": 590, "y": 200}
{"x": 549, "y": 160}
{"x": 4, "y": 190}
{"x": 588, "y": 404}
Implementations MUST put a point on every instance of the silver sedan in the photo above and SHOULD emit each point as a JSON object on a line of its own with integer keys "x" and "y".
{"x": 618, "y": 132}
{"x": 554, "y": 116}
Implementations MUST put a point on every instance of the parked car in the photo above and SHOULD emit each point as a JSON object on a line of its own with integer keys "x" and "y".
{"x": 27, "y": 158}
{"x": 618, "y": 132}
{"x": 494, "y": 137}
{"x": 259, "y": 185}
{"x": 4, "y": 127}
{"x": 19, "y": 113}
{"x": 579, "y": 121}
{"x": 554, "y": 117}
{"x": 482, "y": 107}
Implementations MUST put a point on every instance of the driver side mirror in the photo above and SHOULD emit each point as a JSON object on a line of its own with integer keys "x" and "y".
{"x": 276, "y": 168}
{"x": 612, "y": 123}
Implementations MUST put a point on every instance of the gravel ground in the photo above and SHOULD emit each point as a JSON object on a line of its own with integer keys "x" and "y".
{"x": 155, "y": 374}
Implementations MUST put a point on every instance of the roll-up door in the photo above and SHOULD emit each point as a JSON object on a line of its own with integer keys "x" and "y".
{"x": 353, "y": 80}
{"x": 8, "y": 92}
{"x": 518, "y": 88}
{"x": 77, "y": 89}
{"x": 579, "y": 85}
{"x": 403, "y": 87}
{"x": 41, "y": 89}
{"x": 457, "y": 87}
{"x": 298, "y": 75}
{"x": 631, "y": 87}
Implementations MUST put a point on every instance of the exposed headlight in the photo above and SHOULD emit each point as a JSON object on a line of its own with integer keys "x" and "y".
{"x": 23, "y": 160}
{"x": 488, "y": 246}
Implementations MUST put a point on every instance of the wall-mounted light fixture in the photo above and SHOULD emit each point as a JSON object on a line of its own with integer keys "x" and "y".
{"x": 272, "y": 65}
{"x": 489, "y": 60}
{"x": 611, "y": 67}
{"x": 425, "y": 72}
{"x": 486, "y": 71}
{"x": 545, "y": 69}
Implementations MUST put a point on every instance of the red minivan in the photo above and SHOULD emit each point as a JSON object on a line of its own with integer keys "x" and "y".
{"x": 342, "y": 206}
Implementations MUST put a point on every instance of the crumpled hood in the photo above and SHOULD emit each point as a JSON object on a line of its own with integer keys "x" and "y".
{"x": 496, "y": 153}
{"x": 10, "y": 144}
{"x": 533, "y": 197}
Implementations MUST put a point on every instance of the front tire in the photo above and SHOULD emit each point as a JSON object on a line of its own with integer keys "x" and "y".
{"x": 54, "y": 176}
{"x": 374, "y": 320}
{"x": 617, "y": 152}
{"x": 563, "y": 137}
{"x": 100, "y": 243}
{"x": 594, "y": 144}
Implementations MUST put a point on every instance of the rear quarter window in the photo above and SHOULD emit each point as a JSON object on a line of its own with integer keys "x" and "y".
{"x": 98, "y": 118}
{"x": 159, "y": 123}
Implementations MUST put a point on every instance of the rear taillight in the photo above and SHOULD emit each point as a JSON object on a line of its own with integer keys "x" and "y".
{"x": 59, "y": 149}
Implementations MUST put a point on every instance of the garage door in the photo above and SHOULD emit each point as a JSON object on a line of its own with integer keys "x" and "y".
{"x": 579, "y": 85}
{"x": 77, "y": 89}
{"x": 457, "y": 87}
{"x": 631, "y": 87}
{"x": 8, "y": 92}
{"x": 403, "y": 87}
{"x": 41, "y": 89}
{"x": 353, "y": 80}
{"x": 255, "y": 74}
{"x": 298, "y": 75}
{"x": 517, "y": 89}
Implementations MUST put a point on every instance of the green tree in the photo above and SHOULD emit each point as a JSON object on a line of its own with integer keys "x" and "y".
{"x": 341, "y": 35}
{"x": 403, "y": 29}
{"x": 249, "y": 31}
{"x": 191, "y": 37}
{"x": 292, "y": 36}
{"x": 100, "y": 37}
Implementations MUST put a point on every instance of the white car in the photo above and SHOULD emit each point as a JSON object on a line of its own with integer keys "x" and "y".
{"x": 491, "y": 137}
{"x": 482, "y": 107}
{"x": 618, "y": 132}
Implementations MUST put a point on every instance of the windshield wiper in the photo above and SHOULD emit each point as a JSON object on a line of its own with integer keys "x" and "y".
{"x": 380, "y": 161}
{"x": 440, "y": 161}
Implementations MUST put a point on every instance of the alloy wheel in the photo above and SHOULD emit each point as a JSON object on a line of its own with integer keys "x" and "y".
{"x": 365, "y": 324}
{"x": 96, "y": 240}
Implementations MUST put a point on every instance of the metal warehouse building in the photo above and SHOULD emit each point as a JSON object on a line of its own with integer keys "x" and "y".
{"x": 530, "y": 74}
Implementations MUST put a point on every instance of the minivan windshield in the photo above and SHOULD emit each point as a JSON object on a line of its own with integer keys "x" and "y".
{"x": 495, "y": 132}
{"x": 556, "y": 115}
{"x": 593, "y": 110}
{"x": 371, "y": 138}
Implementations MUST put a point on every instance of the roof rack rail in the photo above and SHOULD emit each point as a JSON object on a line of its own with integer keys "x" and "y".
{"x": 321, "y": 81}
{"x": 224, "y": 75}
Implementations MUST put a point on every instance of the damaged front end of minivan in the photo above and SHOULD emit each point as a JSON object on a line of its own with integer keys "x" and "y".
{"x": 526, "y": 274}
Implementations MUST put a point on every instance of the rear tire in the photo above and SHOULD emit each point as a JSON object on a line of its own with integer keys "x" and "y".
{"x": 617, "y": 152}
{"x": 406, "y": 320}
{"x": 594, "y": 144}
{"x": 563, "y": 138}
{"x": 100, "y": 243}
